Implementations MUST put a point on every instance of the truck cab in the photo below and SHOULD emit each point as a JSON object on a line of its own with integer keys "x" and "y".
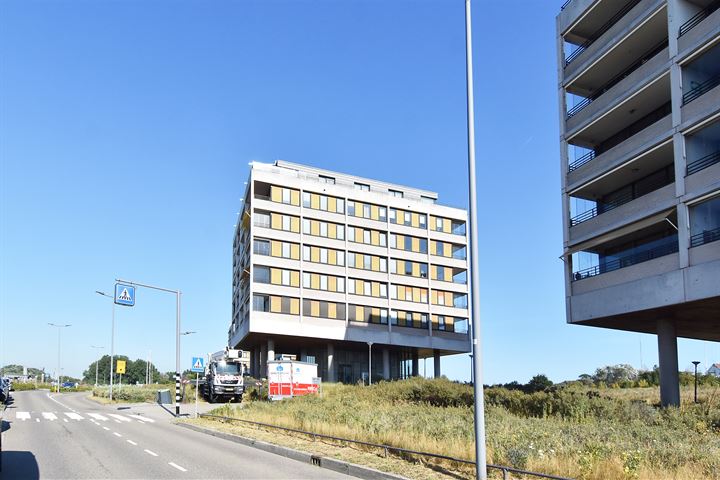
{"x": 224, "y": 377}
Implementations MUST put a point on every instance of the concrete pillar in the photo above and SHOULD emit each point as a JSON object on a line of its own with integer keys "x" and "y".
{"x": 303, "y": 354}
{"x": 263, "y": 361}
{"x": 271, "y": 350}
{"x": 415, "y": 364}
{"x": 667, "y": 352}
{"x": 332, "y": 377}
{"x": 436, "y": 361}
{"x": 386, "y": 363}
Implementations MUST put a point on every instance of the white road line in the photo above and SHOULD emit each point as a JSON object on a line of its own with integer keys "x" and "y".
{"x": 49, "y": 416}
{"x": 151, "y": 453}
{"x": 22, "y": 416}
{"x": 177, "y": 466}
{"x": 119, "y": 417}
{"x": 97, "y": 416}
{"x": 106, "y": 428}
{"x": 117, "y": 434}
{"x": 37, "y": 419}
{"x": 66, "y": 420}
{"x": 74, "y": 416}
{"x": 131, "y": 442}
{"x": 59, "y": 403}
{"x": 142, "y": 419}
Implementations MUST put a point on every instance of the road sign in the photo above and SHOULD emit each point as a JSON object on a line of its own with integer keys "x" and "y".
{"x": 198, "y": 365}
{"x": 124, "y": 295}
{"x": 120, "y": 366}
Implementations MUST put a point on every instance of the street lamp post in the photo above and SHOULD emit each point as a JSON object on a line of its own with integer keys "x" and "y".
{"x": 58, "y": 361}
{"x": 696, "y": 363}
{"x": 97, "y": 362}
{"x": 370, "y": 344}
{"x": 112, "y": 339}
{"x": 197, "y": 381}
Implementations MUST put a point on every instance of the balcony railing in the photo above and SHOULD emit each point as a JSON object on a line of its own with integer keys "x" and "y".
{"x": 706, "y": 236}
{"x": 579, "y": 162}
{"x": 617, "y": 79}
{"x": 703, "y": 163}
{"x": 607, "y": 26}
{"x": 668, "y": 246}
{"x": 701, "y": 89}
{"x": 698, "y": 17}
{"x": 565, "y": 5}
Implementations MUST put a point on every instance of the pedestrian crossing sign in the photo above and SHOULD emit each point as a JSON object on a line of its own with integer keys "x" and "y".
{"x": 198, "y": 365}
{"x": 124, "y": 295}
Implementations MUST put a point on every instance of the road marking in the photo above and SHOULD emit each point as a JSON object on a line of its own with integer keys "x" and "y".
{"x": 22, "y": 416}
{"x": 119, "y": 417}
{"x": 73, "y": 416}
{"x": 106, "y": 428}
{"x": 151, "y": 453}
{"x": 141, "y": 418}
{"x": 177, "y": 466}
{"x": 59, "y": 402}
{"x": 37, "y": 419}
{"x": 66, "y": 420}
{"x": 117, "y": 434}
{"x": 49, "y": 416}
{"x": 131, "y": 442}
{"x": 97, "y": 416}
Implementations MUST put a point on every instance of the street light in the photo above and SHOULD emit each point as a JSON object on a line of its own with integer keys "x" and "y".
{"x": 97, "y": 362}
{"x": 696, "y": 363}
{"x": 112, "y": 339}
{"x": 370, "y": 344}
{"x": 58, "y": 363}
{"x": 186, "y": 333}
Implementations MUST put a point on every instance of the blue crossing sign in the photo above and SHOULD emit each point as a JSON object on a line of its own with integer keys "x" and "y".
{"x": 124, "y": 295}
{"x": 198, "y": 364}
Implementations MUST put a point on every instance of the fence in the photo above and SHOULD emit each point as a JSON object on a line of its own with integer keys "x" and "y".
{"x": 387, "y": 448}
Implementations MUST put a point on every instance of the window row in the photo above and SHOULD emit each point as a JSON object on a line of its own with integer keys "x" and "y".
{"x": 289, "y": 196}
{"x": 319, "y": 228}
{"x": 366, "y": 236}
{"x": 320, "y": 309}
{"x": 367, "y": 288}
{"x": 449, "y": 299}
{"x": 366, "y": 210}
{"x": 363, "y": 313}
{"x": 328, "y": 256}
{"x": 277, "y": 221}
{"x": 403, "y": 318}
{"x": 410, "y": 219}
{"x": 276, "y": 304}
{"x": 319, "y": 281}
{"x": 276, "y": 276}
{"x": 447, "y": 249}
{"x": 448, "y": 274}
{"x": 408, "y": 243}
{"x": 276, "y": 248}
{"x": 327, "y": 203}
{"x": 446, "y": 225}
{"x": 409, "y": 294}
{"x": 367, "y": 262}
{"x": 407, "y": 267}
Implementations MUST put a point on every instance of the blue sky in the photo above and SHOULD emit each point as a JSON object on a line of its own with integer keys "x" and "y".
{"x": 126, "y": 128}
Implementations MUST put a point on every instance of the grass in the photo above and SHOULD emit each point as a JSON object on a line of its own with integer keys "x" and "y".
{"x": 576, "y": 432}
{"x": 140, "y": 393}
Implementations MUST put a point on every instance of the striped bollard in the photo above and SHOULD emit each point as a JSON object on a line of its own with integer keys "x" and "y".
{"x": 177, "y": 394}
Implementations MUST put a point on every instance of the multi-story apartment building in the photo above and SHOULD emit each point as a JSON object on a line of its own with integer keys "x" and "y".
{"x": 335, "y": 269}
{"x": 639, "y": 91}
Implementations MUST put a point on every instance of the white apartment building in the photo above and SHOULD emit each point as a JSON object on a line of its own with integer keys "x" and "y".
{"x": 334, "y": 269}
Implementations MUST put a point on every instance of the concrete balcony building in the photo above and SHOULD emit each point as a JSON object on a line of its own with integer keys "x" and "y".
{"x": 331, "y": 268}
{"x": 639, "y": 95}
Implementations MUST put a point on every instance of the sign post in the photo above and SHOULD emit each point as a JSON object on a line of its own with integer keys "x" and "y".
{"x": 120, "y": 370}
{"x": 198, "y": 365}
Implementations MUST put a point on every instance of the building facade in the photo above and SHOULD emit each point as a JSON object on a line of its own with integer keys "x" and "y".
{"x": 343, "y": 271}
{"x": 639, "y": 92}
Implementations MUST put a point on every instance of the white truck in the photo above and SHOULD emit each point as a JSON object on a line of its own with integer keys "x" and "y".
{"x": 288, "y": 378}
{"x": 224, "y": 376}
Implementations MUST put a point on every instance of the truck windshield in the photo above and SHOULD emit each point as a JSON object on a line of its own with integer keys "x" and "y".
{"x": 228, "y": 368}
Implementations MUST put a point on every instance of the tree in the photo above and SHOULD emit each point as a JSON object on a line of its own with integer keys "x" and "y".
{"x": 134, "y": 371}
{"x": 615, "y": 374}
{"x": 538, "y": 383}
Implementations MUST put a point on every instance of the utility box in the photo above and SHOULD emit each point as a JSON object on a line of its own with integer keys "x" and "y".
{"x": 288, "y": 379}
{"x": 163, "y": 397}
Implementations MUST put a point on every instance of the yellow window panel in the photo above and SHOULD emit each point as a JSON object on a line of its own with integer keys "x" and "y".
{"x": 358, "y": 261}
{"x": 359, "y": 287}
{"x": 294, "y": 279}
{"x": 375, "y": 237}
{"x": 275, "y": 276}
{"x": 314, "y": 308}
{"x": 314, "y": 254}
{"x": 314, "y": 201}
{"x": 446, "y": 225}
{"x": 275, "y": 304}
{"x": 375, "y": 289}
{"x": 374, "y": 212}
{"x": 295, "y": 224}
{"x": 358, "y": 234}
{"x": 416, "y": 294}
{"x": 275, "y": 248}
{"x": 332, "y": 257}
{"x": 332, "y": 310}
{"x": 435, "y": 322}
{"x": 415, "y": 219}
{"x": 415, "y": 244}
{"x": 433, "y": 272}
{"x": 295, "y": 306}
{"x": 275, "y": 193}
{"x": 332, "y": 230}
{"x": 314, "y": 281}
{"x": 295, "y": 251}
{"x": 401, "y": 292}
{"x": 359, "y": 313}
{"x": 433, "y": 223}
{"x": 400, "y": 242}
{"x": 375, "y": 313}
{"x": 448, "y": 274}
{"x": 416, "y": 320}
{"x": 332, "y": 204}
{"x": 415, "y": 269}
{"x": 450, "y": 323}
{"x": 314, "y": 227}
{"x": 433, "y": 297}
{"x": 332, "y": 284}
{"x": 295, "y": 197}
{"x": 276, "y": 221}
{"x": 400, "y": 267}
{"x": 449, "y": 299}
{"x": 376, "y": 264}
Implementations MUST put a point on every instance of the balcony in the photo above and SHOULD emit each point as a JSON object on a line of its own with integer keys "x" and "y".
{"x": 696, "y": 19}
{"x": 702, "y": 148}
{"x": 706, "y": 236}
{"x": 701, "y": 75}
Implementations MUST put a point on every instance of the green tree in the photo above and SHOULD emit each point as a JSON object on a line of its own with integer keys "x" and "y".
{"x": 538, "y": 383}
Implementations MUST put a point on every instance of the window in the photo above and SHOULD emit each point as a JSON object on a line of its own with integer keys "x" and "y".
{"x": 441, "y": 298}
{"x": 340, "y": 284}
{"x": 325, "y": 179}
{"x": 366, "y": 211}
{"x": 362, "y": 186}
{"x": 306, "y": 199}
{"x": 351, "y": 259}
{"x": 393, "y": 215}
{"x": 408, "y": 319}
{"x": 423, "y": 270}
{"x": 460, "y": 300}
{"x": 285, "y": 304}
{"x": 422, "y": 220}
{"x": 285, "y": 277}
{"x": 383, "y": 316}
{"x": 323, "y": 282}
{"x": 351, "y": 286}
{"x": 383, "y": 290}
{"x": 340, "y": 232}
{"x": 262, "y": 219}
{"x": 441, "y": 322}
{"x": 306, "y": 280}
{"x": 393, "y": 291}
{"x": 382, "y": 214}
{"x": 440, "y": 249}
{"x": 286, "y": 250}
{"x": 306, "y": 226}
{"x": 285, "y": 195}
{"x": 261, "y": 274}
{"x": 396, "y": 193}
{"x": 323, "y": 202}
{"x": 393, "y": 239}
{"x": 440, "y": 273}
{"x": 366, "y": 236}
{"x": 351, "y": 208}
{"x": 393, "y": 266}
{"x": 323, "y": 255}
{"x": 383, "y": 264}
{"x": 323, "y": 229}
{"x": 423, "y": 245}
{"x": 438, "y": 224}
{"x": 393, "y": 317}
{"x": 408, "y": 268}
{"x": 341, "y": 258}
{"x": 383, "y": 239}
{"x": 424, "y": 319}
{"x": 407, "y": 218}
{"x": 340, "y": 205}
{"x": 367, "y": 288}
{"x": 306, "y": 253}
{"x": 367, "y": 262}
{"x": 261, "y": 247}
{"x": 261, "y": 303}
{"x": 286, "y": 223}
{"x": 408, "y": 243}
{"x": 425, "y": 199}
{"x": 351, "y": 234}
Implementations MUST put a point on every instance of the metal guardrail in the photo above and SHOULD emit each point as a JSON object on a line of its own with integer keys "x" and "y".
{"x": 701, "y": 89}
{"x": 564, "y": 5}
{"x": 697, "y": 18}
{"x": 386, "y": 448}
{"x": 669, "y": 246}
{"x": 579, "y": 162}
{"x": 702, "y": 163}
{"x": 599, "y": 32}
{"x": 706, "y": 236}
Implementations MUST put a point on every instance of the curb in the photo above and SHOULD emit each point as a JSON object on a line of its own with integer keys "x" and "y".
{"x": 322, "y": 462}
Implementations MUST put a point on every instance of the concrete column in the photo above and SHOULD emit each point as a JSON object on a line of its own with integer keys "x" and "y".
{"x": 332, "y": 377}
{"x": 436, "y": 361}
{"x": 386, "y": 363}
{"x": 263, "y": 361}
{"x": 415, "y": 364}
{"x": 667, "y": 352}
{"x": 303, "y": 354}
{"x": 255, "y": 362}
{"x": 271, "y": 350}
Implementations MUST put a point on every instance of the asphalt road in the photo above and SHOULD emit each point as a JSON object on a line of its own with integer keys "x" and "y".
{"x": 69, "y": 436}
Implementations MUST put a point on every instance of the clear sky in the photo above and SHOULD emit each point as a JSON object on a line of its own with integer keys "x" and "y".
{"x": 126, "y": 128}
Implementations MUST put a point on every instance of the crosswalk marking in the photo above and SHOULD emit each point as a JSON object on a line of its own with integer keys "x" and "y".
{"x": 141, "y": 418}
{"x": 22, "y": 416}
{"x": 49, "y": 416}
{"x": 74, "y": 416}
{"x": 119, "y": 417}
{"x": 97, "y": 416}
{"x": 93, "y": 417}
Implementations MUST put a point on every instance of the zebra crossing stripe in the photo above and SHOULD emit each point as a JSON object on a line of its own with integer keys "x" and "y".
{"x": 49, "y": 416}
{"x": 119, "y": 417}
{"x": 141, "y": 418}
{"x": 73, "y": 416}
